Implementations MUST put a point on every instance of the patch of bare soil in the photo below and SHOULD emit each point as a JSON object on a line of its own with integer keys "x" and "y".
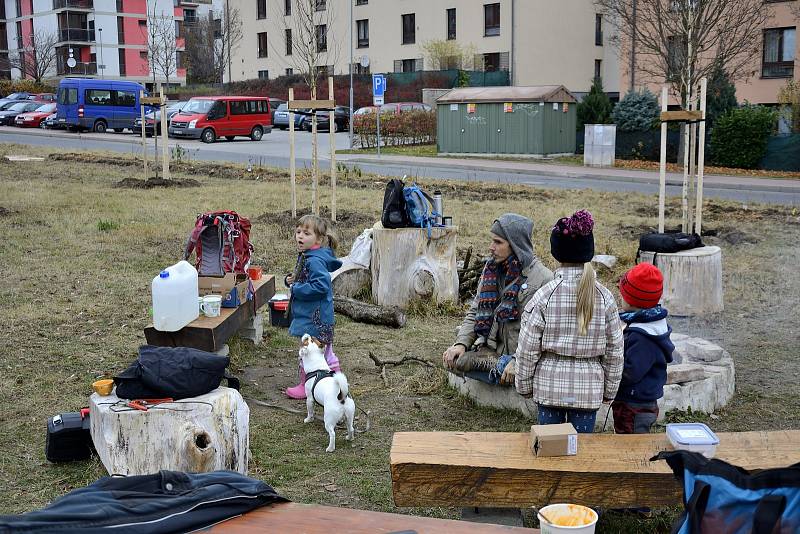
{"x": 152, "y": 183}
{"x": 4, "y": 211}
{"x": 344, "y": 218}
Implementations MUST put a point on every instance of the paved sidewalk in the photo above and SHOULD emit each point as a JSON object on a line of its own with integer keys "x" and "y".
{"x": 570, "y": 171}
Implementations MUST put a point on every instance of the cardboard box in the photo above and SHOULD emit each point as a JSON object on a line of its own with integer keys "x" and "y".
{"x": 554, "y": 440}
{"x": 234, "y": 288}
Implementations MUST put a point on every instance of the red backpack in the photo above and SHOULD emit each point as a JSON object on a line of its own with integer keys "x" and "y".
{"x": 222, "y": 242}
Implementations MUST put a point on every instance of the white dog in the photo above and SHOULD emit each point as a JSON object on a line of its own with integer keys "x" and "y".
{"x": 326, "y": 388}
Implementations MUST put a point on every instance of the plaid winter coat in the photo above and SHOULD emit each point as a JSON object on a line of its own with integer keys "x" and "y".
{"x": 554, "y": 362}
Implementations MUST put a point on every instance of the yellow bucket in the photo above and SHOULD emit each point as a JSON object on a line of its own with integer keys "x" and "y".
{"x": 103, "y": 387}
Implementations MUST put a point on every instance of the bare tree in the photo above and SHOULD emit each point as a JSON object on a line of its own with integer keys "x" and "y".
{"x": 682, "y": 41}
{"x": 448, "y": 54}
{"x": 200, "y": 46}
{"x": 162, "y": 46}
{"x": 310, "y": 41}
{"x": 36, "y": 56}
{"x": 227, "y": 33}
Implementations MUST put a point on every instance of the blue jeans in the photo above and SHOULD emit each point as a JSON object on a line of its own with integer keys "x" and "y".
{"x": 582, "y": 420}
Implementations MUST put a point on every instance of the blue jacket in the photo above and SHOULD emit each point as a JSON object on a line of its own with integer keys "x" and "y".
{"x": 311, "y": 303}
{"x": 648, "y": 350}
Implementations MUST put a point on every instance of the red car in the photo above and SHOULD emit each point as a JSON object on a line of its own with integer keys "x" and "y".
{"x": 43, "y": 97}
{"x": 33, "y": 119}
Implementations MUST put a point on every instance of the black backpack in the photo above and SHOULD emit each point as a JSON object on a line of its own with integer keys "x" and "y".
{"x": 394, "y": 214}
{"x": 669, "y": 243}
{"x": 176, "y": 372}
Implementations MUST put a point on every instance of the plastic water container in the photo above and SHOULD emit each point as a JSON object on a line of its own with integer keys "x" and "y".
{"x": 695, "y": 437}
{"x": 175, "y": 297}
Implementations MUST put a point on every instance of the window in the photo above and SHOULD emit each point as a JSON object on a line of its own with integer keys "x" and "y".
{"x": 362, "y": 2}
{"x": 262, "y": 44}
{"x": 598, "y": 68}
{"x": 178, "y": 29}
{"x": 451, "y": 24}
{"x": 190, "y": 16}
{"x": 249, "y": 107}
{"x": 218, "y": 110}
{"x": 358, "y": 69}
{"x": 287, "y": 7}
{"x": 217, "y": 28}
{"x": 121, "y": 52}
{"x": 407, "y": 65}
{"x": 323, "y": 70}
{"x": 676, "y": 52}
{"x": 19, "y": 8}
{"x": 363, "y": 33}
{"x": 142, "y": 23}
{"x": 319, "y": 5}
{"x": 322, "y": 38}
{"x": 598, "y": 30}
{"x": 263, "y": 75}
{"x": 125, "y": 98}
{"x": 98, "y": 97}
{"x": 261, "y": 9}
{"x": 143, "y": 55}
{"x": 778, "y": 60}
{"x": 180, "y": 59}
{"x": 409, "y": 29}
{"x": 68, "y": 95}
{"x": 289, "y": 72}
{"x": 120, "y": 8}
{"x": 120, "y": 30}
{"x": 19, "y": 34}
{"x": 288, "y": 41}
{"x": 491, "y": 19}
{"x": 491, "y": 62}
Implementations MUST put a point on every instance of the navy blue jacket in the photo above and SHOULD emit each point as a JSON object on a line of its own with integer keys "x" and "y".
{"x": 311, "y": 305}
{"x": 648, "y": 350}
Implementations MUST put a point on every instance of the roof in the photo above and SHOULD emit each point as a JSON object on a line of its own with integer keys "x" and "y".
{"x": 533, "y": 93}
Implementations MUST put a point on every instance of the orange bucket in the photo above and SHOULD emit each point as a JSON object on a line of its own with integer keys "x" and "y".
{"x": 254, "y": 272}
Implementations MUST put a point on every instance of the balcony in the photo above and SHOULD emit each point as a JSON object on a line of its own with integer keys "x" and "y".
{"x": 80, "y": 69}
{"x": 73, "y": 4}
{"x": 76, "y": 35}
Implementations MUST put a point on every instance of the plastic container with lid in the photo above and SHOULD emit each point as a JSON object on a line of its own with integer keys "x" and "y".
{"x": 175, "y": 297}
{"x": 695, "y": 437}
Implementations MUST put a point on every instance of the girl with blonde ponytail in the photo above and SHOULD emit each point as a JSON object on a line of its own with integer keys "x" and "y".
{"x": 570, "y": 353}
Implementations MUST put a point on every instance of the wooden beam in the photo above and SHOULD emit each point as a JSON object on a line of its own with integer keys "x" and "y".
{"x": 311, "y": 104}
{"x": 152, "y": 100}
{"x": 498, "y": 469}
{"x": 211, "y": 333}
{"x": 681, "y": 116}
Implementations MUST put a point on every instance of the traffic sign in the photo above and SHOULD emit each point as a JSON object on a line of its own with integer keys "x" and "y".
{"x": 378, "y": 85}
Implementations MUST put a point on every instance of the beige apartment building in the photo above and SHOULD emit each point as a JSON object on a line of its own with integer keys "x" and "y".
{"x": 542, "y": 42}
{"x": 769, "y": 71}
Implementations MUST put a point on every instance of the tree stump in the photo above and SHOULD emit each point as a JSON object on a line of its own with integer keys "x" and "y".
{"x": 350, "y": 280}
{"x": 407, "y": 264}
{"x": 198, "y": 434}
{"x": 692, "y": 280}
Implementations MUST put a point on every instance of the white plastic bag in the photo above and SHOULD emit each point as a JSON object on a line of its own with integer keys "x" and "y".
{"x": 361, "y": 250}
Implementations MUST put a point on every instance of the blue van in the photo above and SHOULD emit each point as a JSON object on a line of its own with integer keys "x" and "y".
{"x": 97, "y": 105}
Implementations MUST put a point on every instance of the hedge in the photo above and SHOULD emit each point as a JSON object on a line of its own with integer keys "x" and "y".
{"x": 28, "y": 86}
{"x": 739, "y": 137}
{"x": 397, "y": 129}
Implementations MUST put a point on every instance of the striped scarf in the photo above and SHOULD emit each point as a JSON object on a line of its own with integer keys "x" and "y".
{"x": 489, "y": 297}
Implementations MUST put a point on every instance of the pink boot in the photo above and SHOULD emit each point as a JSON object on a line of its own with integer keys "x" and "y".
{"x": 331, "y": 359}
{"x": 298, "y": 391}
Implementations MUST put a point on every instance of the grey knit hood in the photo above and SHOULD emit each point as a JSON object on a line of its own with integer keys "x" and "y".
{"x": 517, "y": 230}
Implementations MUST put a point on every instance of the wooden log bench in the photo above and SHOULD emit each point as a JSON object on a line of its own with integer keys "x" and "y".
{"x": 211, "y": 333}
{"x": 498, "y": 469}
{"x": 315, "y": 519}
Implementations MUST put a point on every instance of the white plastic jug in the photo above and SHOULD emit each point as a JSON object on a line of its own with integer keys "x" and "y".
{"x": 175, "y": 297}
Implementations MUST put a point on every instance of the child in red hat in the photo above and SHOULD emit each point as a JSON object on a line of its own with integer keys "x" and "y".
{"x": 648, "y": 350}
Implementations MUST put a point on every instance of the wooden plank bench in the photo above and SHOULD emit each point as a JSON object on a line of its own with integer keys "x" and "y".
{"x": 211, "y": 333}
{"x": 315, "y": 519}
{"x": 498, "y": 469}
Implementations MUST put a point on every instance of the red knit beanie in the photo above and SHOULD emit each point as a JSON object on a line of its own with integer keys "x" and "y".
{"x": 642, "y": 286}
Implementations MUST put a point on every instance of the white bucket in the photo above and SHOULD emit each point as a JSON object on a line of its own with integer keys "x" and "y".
{"x": 583, "y": 519}
{"x": 211, "y": 305}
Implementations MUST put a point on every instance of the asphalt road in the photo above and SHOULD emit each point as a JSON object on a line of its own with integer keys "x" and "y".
{"x": 273, "y": 150}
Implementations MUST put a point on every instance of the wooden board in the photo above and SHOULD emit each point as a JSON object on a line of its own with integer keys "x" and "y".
{"x": 682, "y": 115}
{"x": 211, "y": 333}
{"x": 311, "y": 104}
{"x": 151, "y": 100}
{"x": 315, "y": 519}
{"x": 498, "y": 469}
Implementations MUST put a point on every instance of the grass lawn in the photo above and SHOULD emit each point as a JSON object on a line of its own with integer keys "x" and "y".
{"x": 78, "y": 254}
{"x": 413, "y": 150}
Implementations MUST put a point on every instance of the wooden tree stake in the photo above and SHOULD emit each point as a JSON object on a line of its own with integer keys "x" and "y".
{"x": 331, "y": 124}
{"x": 662, "y": 182}
{"x": 291, "y": 157}
{"x": 144, "y": 137}
{"x": 701, "y": 155}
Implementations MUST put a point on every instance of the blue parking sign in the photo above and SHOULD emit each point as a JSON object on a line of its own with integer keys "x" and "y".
{"x": 378, "y": 84}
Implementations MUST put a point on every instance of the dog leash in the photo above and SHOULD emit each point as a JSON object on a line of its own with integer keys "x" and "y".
{"x": 367, "y": 414}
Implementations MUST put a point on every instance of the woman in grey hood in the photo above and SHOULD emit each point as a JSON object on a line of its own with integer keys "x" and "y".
{"x": 487, "y": 338}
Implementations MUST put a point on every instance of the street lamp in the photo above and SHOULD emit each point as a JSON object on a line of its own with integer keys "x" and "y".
{"x": 102, "y": 66}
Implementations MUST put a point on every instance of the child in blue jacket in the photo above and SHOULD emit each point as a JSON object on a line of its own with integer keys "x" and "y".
{"x": 311, "y": 302}
{"x": 648, "y": 350}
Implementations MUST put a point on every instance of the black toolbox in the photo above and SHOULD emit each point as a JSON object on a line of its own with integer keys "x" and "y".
{"x": 68, "y": 437}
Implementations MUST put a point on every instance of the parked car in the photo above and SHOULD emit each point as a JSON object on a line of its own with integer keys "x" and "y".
{"x": 20, "y": 95}
{"x": 210, "y": 117}
{"x": 5, "y": 104}
{"x": 7, "y": 117}
{"x": 155, "y": 118}
{"x": 274, "y": 104}
{"x": 32, "y": 119}
{"x": 51, "y": 122}
{"x": 395, "y": 107}
{"x": 341, "y": 120}
{"x": 98, "y": 105}
{"x": 43, "y": 97}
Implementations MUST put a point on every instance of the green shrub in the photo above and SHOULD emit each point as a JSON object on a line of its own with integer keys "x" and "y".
{"x": 638, "y": 111}
{"x": 596, "y": 107}
{"x": 397, "y": 129}
{"x": 13, "y": 86}
{"x": 721, "y": 96}
{"x": 739, "y": 138}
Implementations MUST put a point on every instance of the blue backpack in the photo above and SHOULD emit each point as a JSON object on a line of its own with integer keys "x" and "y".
{"x": 721, "y": 498}
{"x": 419, "y": 206}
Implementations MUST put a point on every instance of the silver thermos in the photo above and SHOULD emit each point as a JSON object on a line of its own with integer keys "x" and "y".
{"x": 437, "y": 206}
